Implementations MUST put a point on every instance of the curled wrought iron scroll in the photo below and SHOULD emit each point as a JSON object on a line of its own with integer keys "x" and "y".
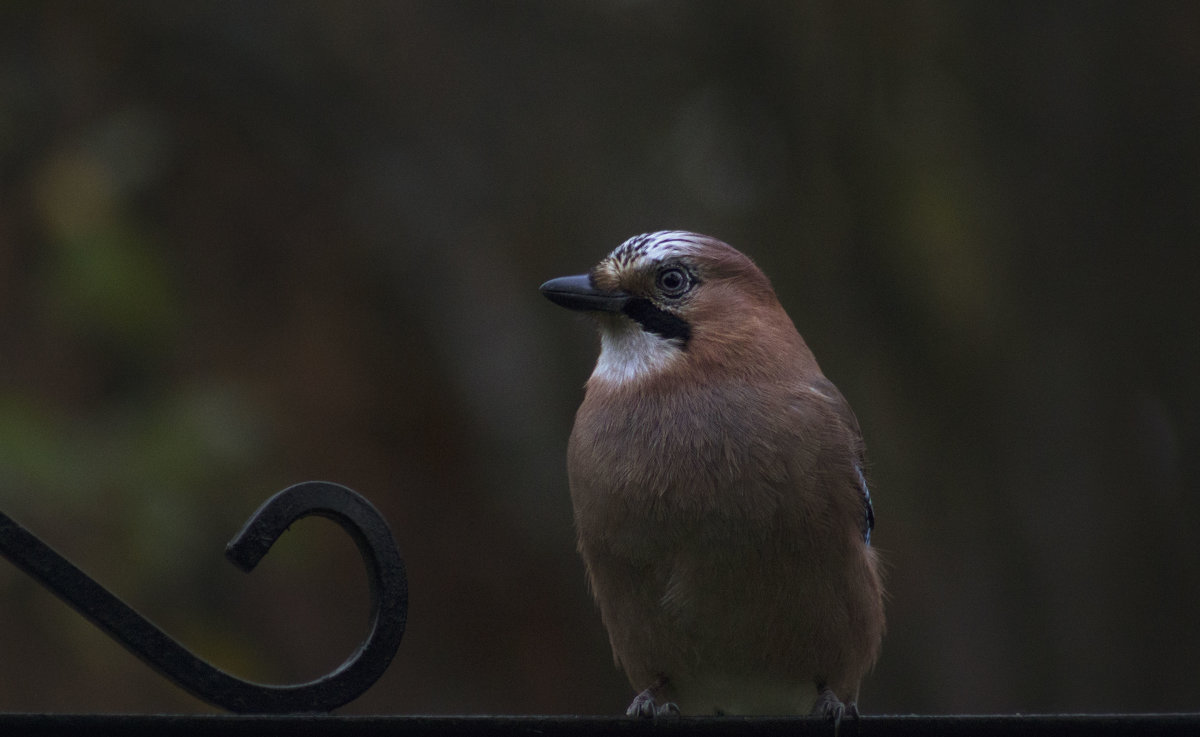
{"x": 388, "y": 590}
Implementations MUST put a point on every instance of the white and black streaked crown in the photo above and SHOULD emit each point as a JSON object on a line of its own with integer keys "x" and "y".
{"x": 652, "y": 247}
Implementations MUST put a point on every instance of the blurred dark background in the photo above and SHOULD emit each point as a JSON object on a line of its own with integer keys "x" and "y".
{"x": 245, "y": 245}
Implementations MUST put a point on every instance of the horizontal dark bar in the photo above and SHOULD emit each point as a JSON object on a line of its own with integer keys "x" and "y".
{"x": 98, "y": 725}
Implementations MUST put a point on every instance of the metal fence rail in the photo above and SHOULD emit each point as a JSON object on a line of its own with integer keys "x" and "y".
{"x": 1064, "y": 725}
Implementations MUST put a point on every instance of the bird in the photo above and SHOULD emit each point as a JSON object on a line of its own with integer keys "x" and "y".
{"x": 718, "y": 484}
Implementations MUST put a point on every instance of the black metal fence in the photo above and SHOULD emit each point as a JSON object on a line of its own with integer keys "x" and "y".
{"x": 385, "y": 572}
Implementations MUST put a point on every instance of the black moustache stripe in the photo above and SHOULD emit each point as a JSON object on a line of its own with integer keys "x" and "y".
{"x": 658, "y": 321}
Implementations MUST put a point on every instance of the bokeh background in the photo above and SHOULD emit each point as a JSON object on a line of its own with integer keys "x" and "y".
{"x": 244, "y": 245}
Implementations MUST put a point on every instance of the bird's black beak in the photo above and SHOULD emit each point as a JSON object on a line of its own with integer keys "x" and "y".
{"x": 577, "y": 293}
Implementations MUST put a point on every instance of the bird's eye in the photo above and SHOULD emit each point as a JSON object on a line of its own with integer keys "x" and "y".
{"x": 673, "y": 281}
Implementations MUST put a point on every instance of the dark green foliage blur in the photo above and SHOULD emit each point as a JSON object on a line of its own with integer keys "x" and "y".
{"x": 245, "y": 245}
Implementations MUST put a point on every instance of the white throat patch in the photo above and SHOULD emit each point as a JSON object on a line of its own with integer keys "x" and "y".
{"x": 627, "y": 352}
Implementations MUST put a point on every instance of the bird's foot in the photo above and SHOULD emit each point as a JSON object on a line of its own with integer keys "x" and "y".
{"x": 644, "y": 707}
{"x": 828, "y": 705}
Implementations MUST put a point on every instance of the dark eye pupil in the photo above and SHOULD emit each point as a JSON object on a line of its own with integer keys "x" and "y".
{"x": 672, "y": 280}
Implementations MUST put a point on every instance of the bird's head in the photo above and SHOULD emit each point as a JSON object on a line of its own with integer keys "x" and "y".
{"x": 680, "y": 301}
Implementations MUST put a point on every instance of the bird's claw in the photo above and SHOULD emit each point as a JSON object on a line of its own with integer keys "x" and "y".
{"x": 828, "y": 705}
{"x": 644, "y": 707}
